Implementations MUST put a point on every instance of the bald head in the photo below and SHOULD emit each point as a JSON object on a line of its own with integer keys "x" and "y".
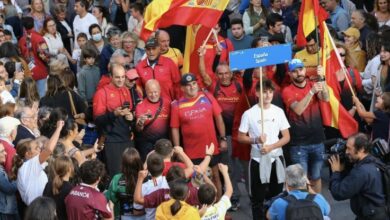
{"x": 163, "y": 40}
{"x": 118, "y": 75}
{"x": 153, "y": 90}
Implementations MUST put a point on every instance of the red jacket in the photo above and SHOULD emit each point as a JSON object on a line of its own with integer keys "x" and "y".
{"x": 10, "y": 150}
{"x": 165, "y": 72}
{"x": 38, "y": 45}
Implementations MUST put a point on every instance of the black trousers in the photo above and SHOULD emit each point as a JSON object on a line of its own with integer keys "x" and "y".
{"x": 113, "y": 153}
{"x": 261, "y": 192}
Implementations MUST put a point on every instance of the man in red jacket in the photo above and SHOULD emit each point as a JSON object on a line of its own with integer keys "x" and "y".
{"x": 36, "y": 52}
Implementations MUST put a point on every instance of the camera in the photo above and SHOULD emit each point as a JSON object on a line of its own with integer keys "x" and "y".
{"x": 338, "y": 149}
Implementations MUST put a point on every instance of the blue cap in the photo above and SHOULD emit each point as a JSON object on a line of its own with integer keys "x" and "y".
{"x": 294, "y": 64}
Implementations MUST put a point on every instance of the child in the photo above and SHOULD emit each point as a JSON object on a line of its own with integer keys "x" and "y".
{"x": 89, "y": 75}
{"x": 4, "y": 93}
{"x": 176, "y": 207}
{"x": 207, "y": 197}
{"x": 76, "y": 54}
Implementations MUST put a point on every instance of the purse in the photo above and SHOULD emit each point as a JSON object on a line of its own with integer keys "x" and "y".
{"x": 80, "y": 121}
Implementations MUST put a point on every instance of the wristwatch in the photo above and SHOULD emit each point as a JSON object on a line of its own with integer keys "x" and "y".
{"x": 223, "y": 138}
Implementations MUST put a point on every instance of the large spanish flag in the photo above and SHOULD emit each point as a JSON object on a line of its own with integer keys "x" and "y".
{"x": 311, "y": 14}
{"x": 164, "y": 13}
{"x": 333, "y": 113}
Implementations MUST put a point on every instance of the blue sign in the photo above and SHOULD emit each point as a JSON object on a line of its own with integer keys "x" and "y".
{"x": 261, "y": 56}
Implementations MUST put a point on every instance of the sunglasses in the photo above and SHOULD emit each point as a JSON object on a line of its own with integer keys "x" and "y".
{"x": 342, "y": 54}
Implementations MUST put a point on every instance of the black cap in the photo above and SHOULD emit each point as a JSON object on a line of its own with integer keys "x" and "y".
{"x": 187, "y": 78}
{"x": 151, "y": 42}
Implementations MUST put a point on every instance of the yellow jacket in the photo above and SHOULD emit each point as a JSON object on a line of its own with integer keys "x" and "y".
{"x": 186, "y": 212}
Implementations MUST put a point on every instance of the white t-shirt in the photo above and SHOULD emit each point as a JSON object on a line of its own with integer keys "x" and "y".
{"x": 218, "y": 210}
{"x": 81, "y": 25}
{"x": 6, "y": 97}
{"x": 31, "y": 179}
{"x": 274, "y": 121}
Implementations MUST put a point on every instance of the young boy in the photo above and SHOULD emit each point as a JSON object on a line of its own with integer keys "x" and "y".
{"x": 207, "y": 197}
{"x": 89, "y": 75}
{"x": 76, "y": 54}
{"x": 5, "y": 95}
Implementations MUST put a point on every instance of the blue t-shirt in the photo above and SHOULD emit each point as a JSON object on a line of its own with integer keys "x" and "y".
{"x": 277, "y": 211}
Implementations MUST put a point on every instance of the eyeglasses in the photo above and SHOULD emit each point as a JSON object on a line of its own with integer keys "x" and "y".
{"x": 129, "y": 42}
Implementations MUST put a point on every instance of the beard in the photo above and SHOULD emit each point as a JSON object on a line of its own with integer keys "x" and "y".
{"x": 299, "y": 79}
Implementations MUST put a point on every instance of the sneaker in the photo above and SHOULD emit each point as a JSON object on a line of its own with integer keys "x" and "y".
{"x": 234, "y": 207}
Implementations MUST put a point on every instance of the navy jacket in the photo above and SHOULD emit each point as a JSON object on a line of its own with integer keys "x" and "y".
{"x": 362, "y": 185}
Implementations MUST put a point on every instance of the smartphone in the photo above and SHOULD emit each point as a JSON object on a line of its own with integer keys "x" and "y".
{"x": 264, "y": 39}
{"x": 18, "y": 67}
{"x": 126, "y": 105}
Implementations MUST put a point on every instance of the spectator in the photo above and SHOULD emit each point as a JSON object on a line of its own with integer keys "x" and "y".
{"x": 254, "y": 17}
{"x": 238, "y": 37}
{"x": 338, "y": 16}
{"x": 194, "y": 137}
{"x": 118, "y": 10}
{"x": 81, "y": 39}
{"x": 153, "y": 115}
{"x": 359, "y": 21}
{"x": 310, "y": 56}
{"x": 113, "y": 117}
{"x": 64, "y": 26}
{"x": 7, "y": 109}
{"x": 176, "y": 207}
{"x": 29, "y": 124}
{"x": 382, "y": 12}
{"x": 59, "y": 187}
{"x": 5, "y": 95}
{"x": 101, "y": 15}
{"x": 85, "y": 201}
{"x": 8, "y": 132}
{"x": 363, "y": 183}
{"x": 275, "y": 29}
{"x": 307, "y": 135}
{"x": 10, "y": 52}
{"x": 129, "y": 45}
{"x": 267, "y": 163}
{"x": 114, "y": 43}
{"x": 276, "y": 7}
{"x": 29, "y": 164}
{"x": 35, "y": 51}
{"x": 159, "y": 68}
{"x": 83, "y": 19}
{"x": 42, "y": 208}
{"x": 97, "y": 41}
{"x": 122, "y": 186}
{"x": 89, "y": 76}
{"x": 165, "y": 50}
{"x": 8, "y": 189}
{"x": 8, "y": 28}
{"x": 297, "y": 187}
{"x": 28, "y": 93}
{"x": 136, "y": 19}
{"x": 207, "y": 195}
{"x": 357, "y": 56}
{"x": 135, "y": 90}
{"x": 38, "y": 13}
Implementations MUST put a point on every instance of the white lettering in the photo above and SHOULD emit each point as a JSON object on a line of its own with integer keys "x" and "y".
{"x": 80, "y": 194}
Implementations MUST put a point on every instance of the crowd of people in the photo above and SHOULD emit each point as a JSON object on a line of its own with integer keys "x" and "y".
{"x": 96, "y": 123}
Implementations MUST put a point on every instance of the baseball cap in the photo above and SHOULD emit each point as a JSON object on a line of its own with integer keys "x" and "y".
{"x": 187, "y": 78}
{"x": 151, "y": 42}
{"x": 294, "y": 64}
{"x": 352, "y": 32}
{"x": 132, "y": 74}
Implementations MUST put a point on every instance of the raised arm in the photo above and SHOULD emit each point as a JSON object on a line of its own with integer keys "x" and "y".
{"x": 51, "y": 144}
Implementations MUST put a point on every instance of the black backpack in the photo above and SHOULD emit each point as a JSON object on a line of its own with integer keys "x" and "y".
{"x": 385, "y": 169}
{"x": 303, "y": 209}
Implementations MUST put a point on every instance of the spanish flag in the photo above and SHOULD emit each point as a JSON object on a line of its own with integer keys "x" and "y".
{"x": 333, "y": 113}
{"x": 164, "y": 13}
{"x": 311, "y": 14}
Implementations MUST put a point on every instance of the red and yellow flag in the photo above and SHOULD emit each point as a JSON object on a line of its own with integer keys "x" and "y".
{"x": 164, "y": 13}
{"x": 311, "y": 14}
{"x": 333, "y": 113}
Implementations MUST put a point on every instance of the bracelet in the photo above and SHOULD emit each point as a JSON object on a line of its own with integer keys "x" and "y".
{"x": 211, "y": 156}
{"x": 311, "y": 92}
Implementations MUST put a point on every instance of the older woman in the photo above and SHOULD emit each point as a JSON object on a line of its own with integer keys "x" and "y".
{"x": 382, "y": 12}
{"x": 114, "y": 43}
{"x": 129, "y": 45}
{"x": 64, "y": 27}
{"x": 357, "y": 58}
{"x": 38, "y": 13}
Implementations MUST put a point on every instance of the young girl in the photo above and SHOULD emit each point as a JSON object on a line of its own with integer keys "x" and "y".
{"x": 176, "y": 207}
{"x": 60, "y": 186}
{"x": 29, "y": 164}
{"x": 76, "y": 54}
{"x": 8, "y": 207}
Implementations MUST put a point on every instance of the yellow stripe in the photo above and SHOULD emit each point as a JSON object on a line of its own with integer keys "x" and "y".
{"x": 154, "y": 11}
{"x": 189, "y": 47}
{"x": 334, "y": 106}
{"x": 308, "y": 17}
{"x": 209, "y": 4}
{"x": 189, "y": 104}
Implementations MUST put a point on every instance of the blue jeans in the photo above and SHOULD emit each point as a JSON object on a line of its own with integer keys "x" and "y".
{"x": 311, "y": 158}
{"x": 41, "y": 86}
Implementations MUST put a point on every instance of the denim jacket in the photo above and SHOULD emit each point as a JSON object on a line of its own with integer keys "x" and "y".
{"x": 7, "y": 194}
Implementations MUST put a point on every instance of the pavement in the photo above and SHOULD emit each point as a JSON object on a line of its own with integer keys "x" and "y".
{"x": 340, "y": 210}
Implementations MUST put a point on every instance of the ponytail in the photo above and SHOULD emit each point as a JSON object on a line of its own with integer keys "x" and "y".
{"x": 22, "y": 148}
{"x": 60, "y": 168}
{"x": 17, "y": 162}
{"x": 57, "y": 183}
{"x": 175, "y": 207}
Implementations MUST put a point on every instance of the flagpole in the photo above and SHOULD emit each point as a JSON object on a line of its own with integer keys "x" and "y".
{"x": 340, "y": 61}
{"x": 261, "y": 99}
{"x": 317, "y": 40}
{"x": 207, "y": 38}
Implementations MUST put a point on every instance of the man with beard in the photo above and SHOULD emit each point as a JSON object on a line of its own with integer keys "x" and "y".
{"x": 302, "y": 99}
{"x": 363, "y": 183}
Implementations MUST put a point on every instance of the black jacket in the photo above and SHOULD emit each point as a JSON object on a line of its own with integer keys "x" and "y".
{"x": 22, "y": 133}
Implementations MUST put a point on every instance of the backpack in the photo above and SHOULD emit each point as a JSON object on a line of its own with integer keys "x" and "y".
{"x": 385, "y": 169}
{"x": 303, "y": 209}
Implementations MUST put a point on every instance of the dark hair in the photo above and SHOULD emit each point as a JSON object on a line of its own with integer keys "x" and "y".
{"x": 155, "y": 164}
{"x": 28, "y": 23}
{"x": 22, "y": 148}
{"x": 267, "y": 85}
{"x": 104, "y": 11}
{"x": 163, "y": 147}
{"x": 69, "y": 125}
{"x": 44, "y": 27}
{"x": 373, "y": 45}
{"x": 83, "y": 3}
{"x": 9, "y": 50}
{"x": 68, "y": 78}
{"x": 175, "y": 172}
{"x": 55, "y": 85}
{"x": 206, "y": 194}
{"x": 237, "y": 21}
{"x": 88, "y": 52}
{"x": 361, "y": 142}
{"x": 50, "y": 124}
{"x": 7, "y": 33}
{"x": 178, "y": 191}
{"x": 81, "y": 35}
{"x": 273, "y": 18}
{"x": 42, "y": 208}
{"x": 28, "y": 91}
{"x": 93, "y": 26}
{"x": 138, "y": 7}
{"x": 91, "y": 171}
{"x": 371, "y": 21}
{"x": 312, "y": 36}
{"x": 131, "y": 165}
{"x": 10, "y": 68}
{"x": 59, "y": 8}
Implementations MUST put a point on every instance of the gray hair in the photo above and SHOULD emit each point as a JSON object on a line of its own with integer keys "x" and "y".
{"x": 296, "y": 177}
{"x": 22, "y": 112}
{"x": 113, "y": 31}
